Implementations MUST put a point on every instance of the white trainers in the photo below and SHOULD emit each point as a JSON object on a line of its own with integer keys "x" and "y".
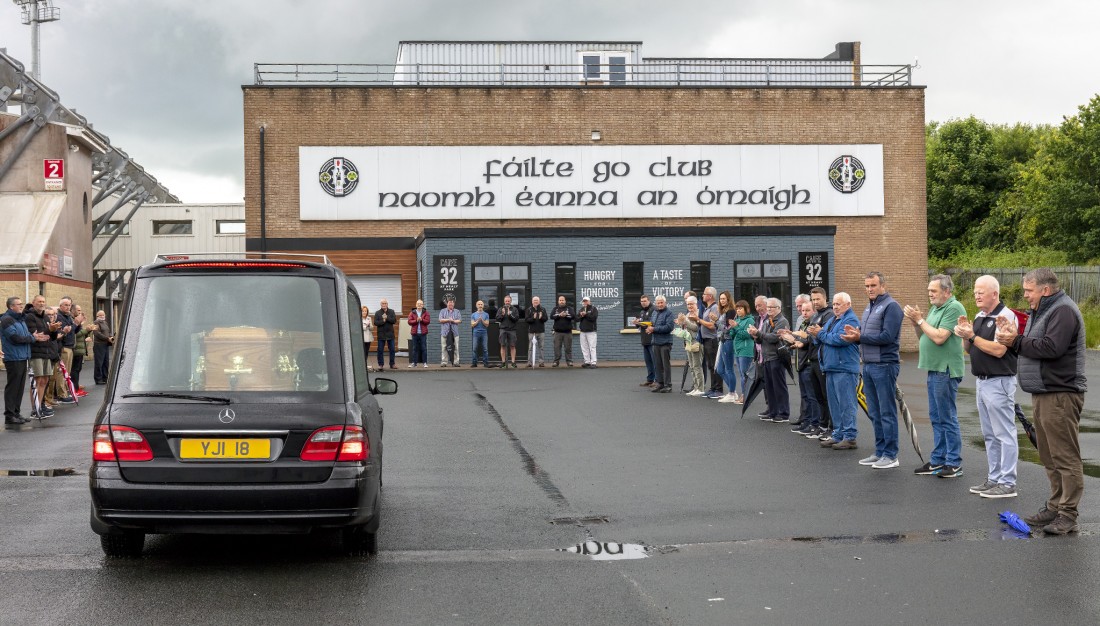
{"x": 412, "y": 365}
{"x": 871, "y": 460}
{"x": 425, "y": 366}
{"x": 885, "y": 463}
{"x": 696, "y": 392}
{"x": 729, "y": 397}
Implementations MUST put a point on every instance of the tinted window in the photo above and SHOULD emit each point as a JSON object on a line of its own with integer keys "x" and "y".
{"x": 232, "y": 334}
{"x": 358, "y": 358}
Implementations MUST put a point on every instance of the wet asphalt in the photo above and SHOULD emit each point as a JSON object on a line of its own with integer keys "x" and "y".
{"x": 493, "y": 476}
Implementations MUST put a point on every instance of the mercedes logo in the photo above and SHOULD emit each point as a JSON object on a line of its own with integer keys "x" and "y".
{"x": 226, "y": 416}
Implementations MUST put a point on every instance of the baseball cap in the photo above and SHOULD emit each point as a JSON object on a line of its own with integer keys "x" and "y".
{"x": 586, "y": 299}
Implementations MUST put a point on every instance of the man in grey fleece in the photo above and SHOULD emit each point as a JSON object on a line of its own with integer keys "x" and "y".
{"x": 1052, "y": 369}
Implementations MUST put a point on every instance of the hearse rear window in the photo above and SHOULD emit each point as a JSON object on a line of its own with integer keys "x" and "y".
{"x": 232, "y": 334}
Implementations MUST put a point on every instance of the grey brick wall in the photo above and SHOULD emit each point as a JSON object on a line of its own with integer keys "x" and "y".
{"x": 608, "y": 254}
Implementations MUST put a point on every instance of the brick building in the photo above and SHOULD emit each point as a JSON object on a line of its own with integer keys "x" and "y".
{"x": 481, "y": 169}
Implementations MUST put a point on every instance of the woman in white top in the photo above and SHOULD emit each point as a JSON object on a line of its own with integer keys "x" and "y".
{"x": 368, "y": 335}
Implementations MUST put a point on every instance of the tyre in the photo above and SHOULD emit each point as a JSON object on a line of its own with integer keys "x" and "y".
{"x": 126, "y": 545}
{"x": 359, "y": 541}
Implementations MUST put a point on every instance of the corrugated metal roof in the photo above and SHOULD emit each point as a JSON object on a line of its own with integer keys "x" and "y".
{"x": 29, "y": 221}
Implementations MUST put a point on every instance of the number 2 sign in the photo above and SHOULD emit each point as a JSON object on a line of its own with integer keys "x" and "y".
{"x": 53, "y": 171}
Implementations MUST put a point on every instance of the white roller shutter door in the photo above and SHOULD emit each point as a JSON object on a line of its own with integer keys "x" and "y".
{"x": 372, "y": 289}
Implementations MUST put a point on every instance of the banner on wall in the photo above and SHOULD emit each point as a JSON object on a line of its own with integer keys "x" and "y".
{"x": 450, "y": 280}
{"x": 579, "y": 182}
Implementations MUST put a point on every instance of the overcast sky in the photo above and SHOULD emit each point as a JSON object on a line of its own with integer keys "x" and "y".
{"x": 162, "y": 78}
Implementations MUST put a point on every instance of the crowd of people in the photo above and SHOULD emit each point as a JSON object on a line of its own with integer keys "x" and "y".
{"x": 49, "y": 345}
{"x": 833, "y": 354}
{"x": 734, "y": 350}
{"x": 379, "y": 330}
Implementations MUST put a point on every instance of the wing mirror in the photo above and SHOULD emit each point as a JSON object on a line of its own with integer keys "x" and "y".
{"x": 384, "y": 387}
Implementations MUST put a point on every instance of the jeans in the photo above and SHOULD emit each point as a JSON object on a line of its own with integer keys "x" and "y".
{"x": 996, "y": 400}
{"x": 563, "y": 340}
{"x": 15, "y": 386}
{"x": 534, "y": 348}
{"x": 419, "y": 352}
{"x": 744, "y": 364}
{"x": 810, "y": 411}
{"x": 588, "y": 347}
{"x": 880, "y": 386}
{"x": 710, "y": 357}
{"x": 841, "y": 387}
{"x": 382, "y": 344}
{"x": 942, "y": 412}
{"x": 481, "y": 345}
{"x": 662, "y": 363}
{"x": 445, "y": 358}
{"x": 725, "y": 368}
{"x": 647, "y": 354}
{"x": 775, "y": 389}
{"x": 102, "y": 362}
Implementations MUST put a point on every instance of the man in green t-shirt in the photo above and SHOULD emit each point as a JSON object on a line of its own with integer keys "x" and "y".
{"x": 941, "y": 354}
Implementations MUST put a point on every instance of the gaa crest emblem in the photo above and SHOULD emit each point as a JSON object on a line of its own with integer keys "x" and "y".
{"x": 338, "y": 177}
{"x": 847, "y": 174}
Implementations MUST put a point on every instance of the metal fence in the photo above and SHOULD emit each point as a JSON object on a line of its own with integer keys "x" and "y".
{"x": 1081, "y": 282}
{"x": 736, "y": 73}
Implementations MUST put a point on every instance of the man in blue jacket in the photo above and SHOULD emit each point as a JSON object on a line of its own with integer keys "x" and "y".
{"x": 879, "y": 337}
{"x": 661, "y": 331}
{"x": 15, "y": 340}
{"x": 839, "y": 359}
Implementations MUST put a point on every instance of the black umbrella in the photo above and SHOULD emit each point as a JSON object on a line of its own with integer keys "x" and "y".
{"x": 907, "y": 418}
{"x": 1029, "y": 428}
{"x": 754, "y": 390}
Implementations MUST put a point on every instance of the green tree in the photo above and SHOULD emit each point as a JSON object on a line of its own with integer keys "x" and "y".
{"x": 1055, "y": 198}
{"x": 966, "y": 176}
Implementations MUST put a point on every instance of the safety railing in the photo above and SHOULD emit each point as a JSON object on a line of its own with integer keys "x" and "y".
{"x": 689, "y": 73}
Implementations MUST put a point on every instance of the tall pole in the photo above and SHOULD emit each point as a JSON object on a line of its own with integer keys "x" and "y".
{"x": 36, "y": 48}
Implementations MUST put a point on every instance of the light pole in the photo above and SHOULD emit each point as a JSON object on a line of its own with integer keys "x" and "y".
{"x": 36, "y": 12}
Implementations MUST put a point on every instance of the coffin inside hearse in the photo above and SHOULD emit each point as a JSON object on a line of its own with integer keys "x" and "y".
{"x": 248, "y": 358}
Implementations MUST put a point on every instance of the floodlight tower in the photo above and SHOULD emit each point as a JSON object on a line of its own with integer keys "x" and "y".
{"x": 36, "y": 12}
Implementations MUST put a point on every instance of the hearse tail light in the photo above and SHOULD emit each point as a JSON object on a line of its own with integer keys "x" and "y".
{"x": 120, "y": 443}
{"x": 336, "y": 443}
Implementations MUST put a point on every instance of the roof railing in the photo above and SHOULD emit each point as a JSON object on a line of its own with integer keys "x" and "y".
{"x": 241, "y": 256}
{"x": 687, "y": 73}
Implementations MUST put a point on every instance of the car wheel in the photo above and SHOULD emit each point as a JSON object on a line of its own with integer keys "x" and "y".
{"x": 126, "y": 545}
{"x": 359, "y": 541}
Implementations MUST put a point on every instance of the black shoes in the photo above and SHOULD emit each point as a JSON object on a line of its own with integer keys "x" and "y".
{"x": 928, "y": 470}
{"x": 15, "y": 420}
{"x": 950, "y": 472}
{"x": 569, "y": 363}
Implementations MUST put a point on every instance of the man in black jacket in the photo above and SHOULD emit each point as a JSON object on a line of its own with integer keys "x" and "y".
{"x": 642, "y": 320}
{"x": 563, "y": 331}
{"x": 587, "y": 315}
{"x": 384, "y": 320}
{"x": 508, "y": 316}
{"x": 58, "y": 389}
{"x": 1051, "y": 368}
{"x": 536, "y": 329}
{"x": 43, "y": 353}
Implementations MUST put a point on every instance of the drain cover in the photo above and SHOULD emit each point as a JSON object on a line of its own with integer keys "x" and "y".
{"x": 580, "y": 521}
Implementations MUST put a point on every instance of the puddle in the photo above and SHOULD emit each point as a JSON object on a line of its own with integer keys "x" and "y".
{"x": 609, "y": 551}
{"x": 63, "y": 471}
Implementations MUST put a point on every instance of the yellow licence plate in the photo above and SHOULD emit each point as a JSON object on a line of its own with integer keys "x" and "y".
{"x": 225, "y": 448}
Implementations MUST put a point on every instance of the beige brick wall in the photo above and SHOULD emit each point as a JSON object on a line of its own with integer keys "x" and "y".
{"x": 895, "y": 244}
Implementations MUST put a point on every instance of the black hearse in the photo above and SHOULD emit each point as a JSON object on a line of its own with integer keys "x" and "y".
{"x": 238, "y": 402}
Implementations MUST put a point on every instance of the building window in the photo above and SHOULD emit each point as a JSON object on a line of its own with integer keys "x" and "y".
{"x": 493, "y": 282}
{"x": 604, "y": 67}
{"x": 230, "y": 227}
{"x": 771, "y": 279}
{"x": 633, "y": 288}
{"x": 172, "y": 227}
{"x": 700, "y": 278}
{"x": 113, "y": 226}
{"x": 565, "y": 283}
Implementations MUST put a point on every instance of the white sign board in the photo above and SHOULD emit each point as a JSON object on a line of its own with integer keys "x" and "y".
{"x": 578, "y": 182}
